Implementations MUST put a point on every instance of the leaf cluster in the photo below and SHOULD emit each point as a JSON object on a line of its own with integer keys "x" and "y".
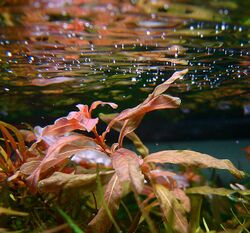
{"x": 71, "y": 155}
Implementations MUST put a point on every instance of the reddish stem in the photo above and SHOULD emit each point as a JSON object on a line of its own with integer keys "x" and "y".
{"x": 100, "y": 140}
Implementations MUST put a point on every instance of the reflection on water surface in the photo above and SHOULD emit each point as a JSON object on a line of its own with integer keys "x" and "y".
{"x": 55, "y": 54}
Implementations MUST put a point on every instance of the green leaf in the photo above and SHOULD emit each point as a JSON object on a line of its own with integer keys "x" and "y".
{"x": 194, "y": 222}
{"x": 173, "y": 211}
{"x": 69, "y": 220}
{"x": 8, "y": 211}
{"x": 102, "y": 222}
{"x": 207, "y": 190}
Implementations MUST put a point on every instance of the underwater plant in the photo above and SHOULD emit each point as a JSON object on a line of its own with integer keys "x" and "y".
{"x": 13, "y": 152}
{"x": 71, "y": 154}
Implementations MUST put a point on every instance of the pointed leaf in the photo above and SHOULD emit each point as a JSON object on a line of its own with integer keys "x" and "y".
{"x": 62, "y": 126}
{"x": 164, "y": 86}
{"x": 192, "y": 158}
{"x": 49, "y": 139}
{"x": 101, "y": 223}
{"x": 80, "y": 120}
{"x": 173, "y": 211}
{"x": 133, "y": 116}
{"x": 60, "y": 181}
{"x": 29, "y": 167}
{"x": 58, "y": 154}
{"x": 127, "y": 166}
{"x": 72, "y": 224}
{"x": 8, "y": 211}
{"x": 207, "y": 190}
{"x": 95, "y": 104}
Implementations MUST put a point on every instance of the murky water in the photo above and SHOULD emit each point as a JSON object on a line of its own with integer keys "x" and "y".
{"x": 55, "y": 54}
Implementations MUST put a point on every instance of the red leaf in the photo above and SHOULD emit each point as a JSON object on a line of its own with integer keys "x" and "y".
{"x": 127, "y": 166}
{"x": 60, "y": 181}
{"x": 164, "y": 86}
{"x": 192, "y": 158}
{"x": 168, "y": 179}
{"x": 46, "y": 82}
{"x": 133, "y": 116}
{"x": 61, "y": 126}
{"x": 95, "y": 104}
{"x": 48, "y": 139}
{"x": 80, "y": 120}
{"x": 58, "y": 154}
{"x": 28, "y": 135}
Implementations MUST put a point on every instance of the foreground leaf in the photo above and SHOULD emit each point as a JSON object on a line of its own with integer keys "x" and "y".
{"x": 174, "y": 213}
{"x": 12, "y": 212}
{"x": 69, "y": 220}
{"x": 193, "y": 158}
{"x": 127, "y": 166}
{"x": 101, "y": 223}
{"x": 60, "y": 181}
{"x": 29, "y": 167}
{"x": 58, "y": 154}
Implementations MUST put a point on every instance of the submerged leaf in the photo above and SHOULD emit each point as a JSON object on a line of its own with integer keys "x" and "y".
{"x": 127, "y": 166}
{"x": 207, "y": 190}
{"x": 90, "y": 156}
{"x": 50, "y": 81}
{"x": 80, "y": 120}
{"x": 70, "y": 221}
{"x": 101, "y": 223}
{"x": 61, "y": 181}
{"x": 58, "y": 154}
{"x": 141, "y": 148}
{"x": 173, "y": 211}
{"x": 192, "y": 158}
{"x": 62, "y": 126}
{"x": 8, "y": 211}
{"x": 29, "y": 167}
{"x": 95, "y": 104}
{"x": 132, "y": 117}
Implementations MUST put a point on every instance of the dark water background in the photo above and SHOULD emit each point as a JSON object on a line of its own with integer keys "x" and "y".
{"x": 56, "y": 54}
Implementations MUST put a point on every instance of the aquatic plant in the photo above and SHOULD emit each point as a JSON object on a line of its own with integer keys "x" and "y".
{"x": 71, "y": 154}
{"x": 13, "y": 152}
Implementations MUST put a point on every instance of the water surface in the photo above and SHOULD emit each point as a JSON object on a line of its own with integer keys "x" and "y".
{"x": 55, "y": 54}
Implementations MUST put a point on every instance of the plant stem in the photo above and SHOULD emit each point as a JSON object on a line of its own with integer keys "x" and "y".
{"x": 99, "y": 140}
{"x": 135, "y": 223}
